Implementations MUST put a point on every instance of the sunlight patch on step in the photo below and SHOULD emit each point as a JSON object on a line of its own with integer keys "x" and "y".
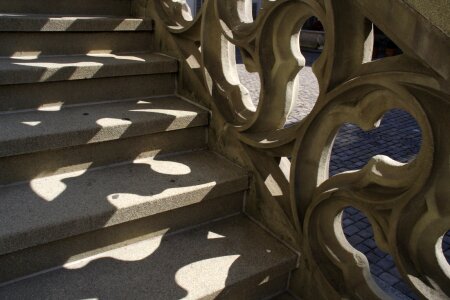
{"x": 111, "y": 128}
{"x": 132, "y": 252}
{"x": 62, "y": 26}
{"x": 52, "y": 187}
{"x": 20, "y": 55}
{"x": 165, "y": 166}
{"x": 201, "y": 277}
{"x": 31, "y": 123}
{"x": 143, "y": 102}
{"x": 82, "y": 69}
{"x": 119, "y": 57}
{"x": 213, "y": 236}
{"x": 171, "y": 112}
{"x": 130, "y": 200}
{"x": 126, "y": 25}
{"x": 99, "y": 52}
{"x": 56, "y": 106}
{"x": 265, "y": 280}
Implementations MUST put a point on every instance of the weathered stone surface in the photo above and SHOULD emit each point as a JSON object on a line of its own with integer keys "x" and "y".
{"x": 36, "y": 95}
{"x": 52, "y": 23}
{"x": 68, "y": 7}
{"x": 55, "y": 127}
{"x": 33, "y": 44}
{"x": 58, "y": 68}
{"x": 437, "y": 11}
{"x": 94, "y": 165}
{"x": 55, "y": 254}
{"x": 61, "y": 206}
{"x": 53, "y": 162}
{"x": 203, "y": 263}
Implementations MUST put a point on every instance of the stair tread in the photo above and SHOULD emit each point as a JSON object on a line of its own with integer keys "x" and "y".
{"x": 47, "y": 128}
{"x": 71, "y": 7}
{"x": 60, "y": 206}
{"x": 196, "y": 263}
{"x": 75, "y": 67}
{"x": 57, "y": 23}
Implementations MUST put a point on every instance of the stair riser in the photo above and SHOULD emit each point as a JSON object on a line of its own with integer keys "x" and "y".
{"x": 31, "y": 96}
{"x": 35, "y": 259}
{"x": 70, "y": 7}
{"x": 259, "y": 287}
{"x": 18, "y": 44}
{"x": 70, "y": 68}
{"x": 41, "y": 164}
{"x": 52, "y": 23}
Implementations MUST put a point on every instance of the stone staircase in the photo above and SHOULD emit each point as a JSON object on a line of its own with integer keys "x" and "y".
{"x": 107, "y": 187}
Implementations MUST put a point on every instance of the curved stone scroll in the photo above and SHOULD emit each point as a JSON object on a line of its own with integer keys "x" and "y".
{"x": 408, "y": 204}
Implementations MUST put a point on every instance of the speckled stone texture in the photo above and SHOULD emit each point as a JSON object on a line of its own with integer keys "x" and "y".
{"x": 203, "y": 263}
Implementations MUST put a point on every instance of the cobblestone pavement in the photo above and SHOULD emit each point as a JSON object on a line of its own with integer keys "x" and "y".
{"x": 398, "y": 137}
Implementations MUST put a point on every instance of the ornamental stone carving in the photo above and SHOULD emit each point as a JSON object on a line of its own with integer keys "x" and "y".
{"x": 408, "y": 204}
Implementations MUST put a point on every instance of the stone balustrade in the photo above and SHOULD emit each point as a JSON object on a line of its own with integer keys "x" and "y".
{"x": 292, "y": 194}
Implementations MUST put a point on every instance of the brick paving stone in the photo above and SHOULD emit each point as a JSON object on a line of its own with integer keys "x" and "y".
{"x": 351, "y": 230}
{"x": 394, "y": 272}
{"x": 355, "y": 239}
{"x": 370, "y": 243}
{"x": 363, "y": 248}
{"x": 375, "y": 270}
{"x": 388, "y": 278}
{"x": 361, "y": 225}
{"x": 365, "y": 233}
{"x": 405, "y": 289}
{"x": 379, "y": 253}
{"x": 373, "y": 258}
{"x": 347, "y": 222}
{"x": 398, "y": 137}
{"x": 385, "y": 263}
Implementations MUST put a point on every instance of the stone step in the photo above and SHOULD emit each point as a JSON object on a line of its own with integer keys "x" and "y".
{"x": 30, "y": 45}
{"x": 56, "y": 207}
{"x": 54, "y": 254}
{"x": 41, "y": 35}
{"x": 58, "y": 127}
{"x": 36, "y": 95}
{"x": 228, "y": 259}
{"x": 76, "y": 67}
{"x": 30, "y": 166}
{"x": 54, "y": 23}
{"x": 70, "y": 7}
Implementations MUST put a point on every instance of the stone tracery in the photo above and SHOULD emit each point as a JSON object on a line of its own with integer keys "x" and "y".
{"x": 407, "y": 204}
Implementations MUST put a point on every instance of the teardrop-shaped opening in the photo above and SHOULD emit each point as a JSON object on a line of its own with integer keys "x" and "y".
{"x": 359, "y": 234}
{"x": 249, "y": 80}
{"x": 306, "y": 91}
{"x": 399, "y": 136}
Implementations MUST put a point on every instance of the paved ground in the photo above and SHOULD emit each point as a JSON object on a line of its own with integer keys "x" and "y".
{"x": 398, "y": 137}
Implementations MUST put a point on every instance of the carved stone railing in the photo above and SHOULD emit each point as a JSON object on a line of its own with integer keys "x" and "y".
{"x": 408, "y": 204}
